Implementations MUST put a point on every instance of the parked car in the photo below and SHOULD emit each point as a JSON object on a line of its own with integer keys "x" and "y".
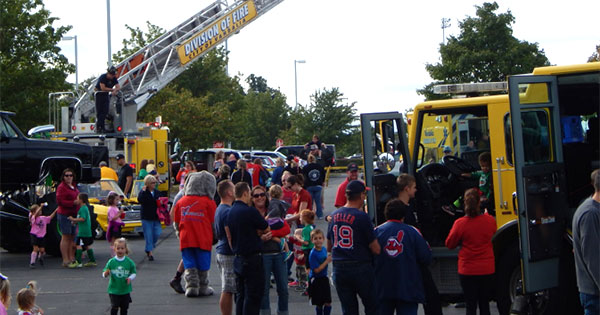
{"x": 203, "y": 159}
{"x": 272, "y": 154}
{"x": 327, "y": 156}
{"x": 98, "y": 192}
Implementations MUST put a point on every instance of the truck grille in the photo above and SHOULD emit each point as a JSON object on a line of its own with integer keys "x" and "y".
{"x": 132, "y": 215}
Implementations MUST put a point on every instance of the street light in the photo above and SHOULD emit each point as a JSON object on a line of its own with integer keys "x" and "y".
{"x": 296, "y": 79}
{"x": 76, "y": 62}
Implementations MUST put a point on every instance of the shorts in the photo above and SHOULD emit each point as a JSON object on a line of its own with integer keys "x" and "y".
{"x": 319, "y": 291}
{"x": 37, "y": 241}
{"x": 84, "y": 242}
{"x": 194, "y": 257}
{"x": 301, "y": 274}
{"x": 225, "y": 263}
{"x": 120, "y": 300}
{"x": 307, "y": 256}
{"x": 65, "y": 225}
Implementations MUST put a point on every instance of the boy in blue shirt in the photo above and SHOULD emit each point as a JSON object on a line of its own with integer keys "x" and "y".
{"x": 397, "y": 269}
{"x": 318, "y": 289}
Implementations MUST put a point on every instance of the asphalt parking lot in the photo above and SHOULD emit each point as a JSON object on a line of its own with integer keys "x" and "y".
{"x": 83, "y": 291}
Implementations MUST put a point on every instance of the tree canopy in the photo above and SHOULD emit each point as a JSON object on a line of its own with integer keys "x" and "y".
{"x": 485, "y": 51}
{"x": 31, "y": 65}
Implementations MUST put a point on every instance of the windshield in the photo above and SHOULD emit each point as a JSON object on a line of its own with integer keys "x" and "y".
{"x": 99, "y": 190}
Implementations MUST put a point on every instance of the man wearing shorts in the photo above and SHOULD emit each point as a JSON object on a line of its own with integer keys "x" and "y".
{"x": 225, "y": 256}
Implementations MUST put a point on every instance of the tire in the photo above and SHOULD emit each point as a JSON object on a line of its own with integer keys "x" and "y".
{"x": 509, "y": 285}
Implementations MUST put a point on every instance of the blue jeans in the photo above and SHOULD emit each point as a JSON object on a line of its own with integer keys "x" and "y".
{"x": 353, "y": 278}
{"x": 274, "y": 263}
{"x": 590, "y": 303}
{"x": 152, "y": 230}
{"x": 315, "y": 194}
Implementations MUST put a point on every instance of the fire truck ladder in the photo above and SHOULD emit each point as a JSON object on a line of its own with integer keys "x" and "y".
{"x": 154, "y": 66}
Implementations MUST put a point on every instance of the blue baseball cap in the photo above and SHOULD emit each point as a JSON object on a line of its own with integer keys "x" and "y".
{"x": 447, "y": 149}
{"x": 356, "y": 186}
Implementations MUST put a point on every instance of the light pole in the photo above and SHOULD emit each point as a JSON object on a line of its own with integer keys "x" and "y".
{"x": 296, "y": 79}
{"x": 108, "y": 31}
{"x": 76, "y": 63}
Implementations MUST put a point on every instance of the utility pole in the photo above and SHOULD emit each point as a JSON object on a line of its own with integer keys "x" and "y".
{"x": 445, "y": 25}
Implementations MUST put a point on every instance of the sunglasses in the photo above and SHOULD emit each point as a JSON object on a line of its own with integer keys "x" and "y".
{"x": 259, "y": 195}
{"x": 68, "y": 175}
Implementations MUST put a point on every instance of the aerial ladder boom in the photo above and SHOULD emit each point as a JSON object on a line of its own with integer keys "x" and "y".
{"x": 158, "y": 63}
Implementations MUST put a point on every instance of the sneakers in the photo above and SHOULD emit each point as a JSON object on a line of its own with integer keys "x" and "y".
{"x": 293, "y": 284}
{"x": 32, "y": 266}
{"x": 90, "y": 264}
{"x": 74, "y": 264}
{"x": 176, "y": 285}
{"x": 151, "y": 258}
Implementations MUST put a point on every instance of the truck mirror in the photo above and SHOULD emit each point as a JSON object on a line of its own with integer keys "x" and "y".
{"x": 385, "y": 162}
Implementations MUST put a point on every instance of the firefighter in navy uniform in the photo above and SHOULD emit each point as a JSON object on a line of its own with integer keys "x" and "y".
{"x": 107, "y": 83}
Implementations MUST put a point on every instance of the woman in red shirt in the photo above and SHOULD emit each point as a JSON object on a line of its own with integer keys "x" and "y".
{"x": 473, "y": 233}
{"x": 301, "y": 198}
{"x": 68, "y": 205}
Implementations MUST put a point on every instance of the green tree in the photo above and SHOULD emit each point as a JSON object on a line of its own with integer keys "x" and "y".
{"x": 595, "y": 57}
{"x": 485, "y": 51}
{"x": 264, "y": 116}
{"x": 191, "y": 119}
{"x": 326, "y": 116}
{"x": 139, "y": 39}
{"x": 31, "y": 65}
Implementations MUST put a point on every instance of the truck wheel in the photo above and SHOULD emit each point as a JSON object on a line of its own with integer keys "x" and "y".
{"x": 510, "y": 285}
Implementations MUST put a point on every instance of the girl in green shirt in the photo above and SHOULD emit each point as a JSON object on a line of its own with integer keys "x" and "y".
{"x": 121, "y": 270}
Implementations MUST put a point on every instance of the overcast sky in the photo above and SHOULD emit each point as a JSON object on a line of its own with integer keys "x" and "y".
{"x": 374, "y": 51}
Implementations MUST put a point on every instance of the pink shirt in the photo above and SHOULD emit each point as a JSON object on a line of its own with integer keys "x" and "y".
{"x": 38, "y": 225}
{"x": 113, "y": 211}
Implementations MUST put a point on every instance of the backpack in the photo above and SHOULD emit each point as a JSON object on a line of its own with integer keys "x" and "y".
{"x": 162, "y": 210}
{"x": 263, "y": 177}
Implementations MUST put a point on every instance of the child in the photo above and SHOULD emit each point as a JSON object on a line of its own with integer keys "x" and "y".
{"x": 318, "y": 289}
{"x": 113, "y": 231}
{"x": 307, "y": 217}
{"x": 485, "y": 180}
{"x": 84, "y": 238}
{"x": 485, "y": 185}
{"x": 299, "y": 259}
{"x": 4, "y": 294}
{"x": 122, "y": 271}
{"x": 38, "y": 231}
{"x": 26, "y": 300}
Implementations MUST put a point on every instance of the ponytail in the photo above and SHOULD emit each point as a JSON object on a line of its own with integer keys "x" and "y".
{"x": 471, "y": 200}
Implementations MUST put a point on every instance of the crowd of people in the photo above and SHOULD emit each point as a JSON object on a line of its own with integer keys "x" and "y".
{"x": 261, "y": 227}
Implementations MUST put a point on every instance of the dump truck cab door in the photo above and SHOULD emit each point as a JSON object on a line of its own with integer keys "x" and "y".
{"x": 385, "y": 154}
{"x": 540, "y": 198}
